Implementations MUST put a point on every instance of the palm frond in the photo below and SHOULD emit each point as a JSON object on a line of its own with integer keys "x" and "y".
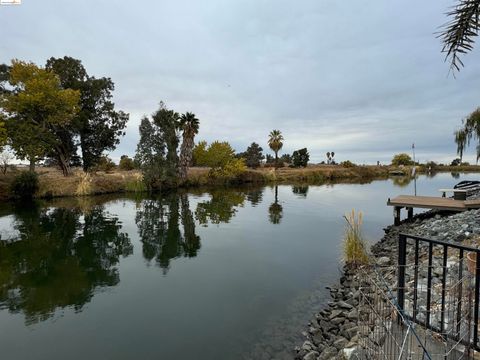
{"x": 459, "y": 33}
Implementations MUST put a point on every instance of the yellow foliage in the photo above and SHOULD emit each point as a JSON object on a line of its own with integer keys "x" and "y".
{"x": 85, "y": 185}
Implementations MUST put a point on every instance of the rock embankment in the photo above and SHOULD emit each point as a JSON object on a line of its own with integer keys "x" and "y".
{"x": 334, "y": 332}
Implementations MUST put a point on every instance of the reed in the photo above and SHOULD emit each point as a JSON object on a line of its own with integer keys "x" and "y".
{"x": 354, "y": 245}
{"x": 85, "y": 185}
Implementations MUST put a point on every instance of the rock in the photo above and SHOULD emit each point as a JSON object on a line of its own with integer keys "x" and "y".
{"x": 345, "y": 305}
{"x": 340, "y": 343}
{"x": 383, "y": 261}
{"x": 350, "y": 353}
{"x": 312, "y": 355}
{"x": 327, "y": 354}
{"x": 352, "y": 315}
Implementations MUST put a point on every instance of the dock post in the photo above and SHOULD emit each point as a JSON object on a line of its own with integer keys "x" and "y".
{"x": 396, "y": 215}
{"x": 410, "y": 212}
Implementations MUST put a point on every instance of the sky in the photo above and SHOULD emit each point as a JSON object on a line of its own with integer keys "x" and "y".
{"x": 364, "y": 79}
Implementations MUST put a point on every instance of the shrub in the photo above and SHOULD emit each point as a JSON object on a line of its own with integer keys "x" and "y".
{"x": 455, "y": 162}
{"x": 347, "y": 164}
{"x": 354, "y": 245}
{"x": 402, "y": 159}
{"x": 136, "y": 185}
{"x": 105, "y": 164}
{"x": 85, "y": 185}
{"x": 126, "y": 163}
{"x": 25, "y": 185}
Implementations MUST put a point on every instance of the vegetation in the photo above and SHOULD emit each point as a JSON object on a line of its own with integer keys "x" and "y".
{"x": 354, "y": 245}
{"x": 347, "y": 164}
{"x": 300, "y": 158}
{"x": 37, "y": 112}
{"x": 402, "y": 159}
{"x": 5, "y": 158}
{"x": 459, "y": 33}
{"x": 105, "y": 164}
{"x": 275, "y": 142}
{"x": 97, "y": 124}
{"x": 330, "y": 157}
{"x": 470, "y": 131}
{"x": 126, "y": 163}
{"x": 220, "y": 158}
{"x": 253, "y": 156}
{"x": 25, "y": 185}
{"x": 189, "y": 125}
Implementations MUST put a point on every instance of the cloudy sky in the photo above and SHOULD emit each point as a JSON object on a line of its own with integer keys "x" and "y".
{"x": 362, "y": 78}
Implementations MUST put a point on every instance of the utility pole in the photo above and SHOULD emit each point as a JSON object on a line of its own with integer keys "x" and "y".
{"x": 413, "y": 170}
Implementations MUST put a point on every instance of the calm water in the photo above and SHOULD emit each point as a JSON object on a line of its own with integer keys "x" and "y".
{"x": 226, "y": 274}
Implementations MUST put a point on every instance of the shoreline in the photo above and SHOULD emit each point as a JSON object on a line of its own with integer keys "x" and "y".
{"x": 336, "y": 332}
{"x": 53, "y": 184}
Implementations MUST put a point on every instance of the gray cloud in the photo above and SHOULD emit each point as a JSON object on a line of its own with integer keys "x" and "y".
{"x": 364, "y": 79}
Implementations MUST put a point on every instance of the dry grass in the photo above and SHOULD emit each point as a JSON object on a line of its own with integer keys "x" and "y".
{"x": 354, "y": 245}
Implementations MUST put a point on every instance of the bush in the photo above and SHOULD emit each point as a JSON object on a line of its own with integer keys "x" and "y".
{"x": 105, "y": 164}
{"x": 347, "y": 164}
{"x": 84, "y": 187}
{"x": 354, "y": 245}
{"x": 126, "y": 163}
{"x": 25, "y": 185}
{"x": 402, "y": 159}
{"x": 137, "y": 185}
{"x": 455, "y": 162}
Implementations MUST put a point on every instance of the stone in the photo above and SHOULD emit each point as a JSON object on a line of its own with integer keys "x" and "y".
{"x": 383, "y": 261}
{"x": 327, "y": 354}
{"x": 312, "y": 355}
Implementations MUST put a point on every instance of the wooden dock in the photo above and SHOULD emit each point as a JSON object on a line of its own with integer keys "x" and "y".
{"x": 428, "y": 202}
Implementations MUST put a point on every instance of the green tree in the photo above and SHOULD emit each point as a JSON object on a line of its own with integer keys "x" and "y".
{"x": 300, "y": 157}
{"x": 98, "y": 125}
{"x": 402, "y": 159}
{"x": 168, "y": 124}
{"x": 220, "y": 157}
{"x": 199, "y": 154}
{"x": 253, "y": 155}
{"x": 275, "y": 141}
{"x": 470, "y": 131}
{"x": 189, "y": 125}
{"x": 126, "y": 163}
{"x": 36, "y": 110}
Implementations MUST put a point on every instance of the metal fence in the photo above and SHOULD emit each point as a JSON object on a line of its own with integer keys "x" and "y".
{"x": 424, "y": 307}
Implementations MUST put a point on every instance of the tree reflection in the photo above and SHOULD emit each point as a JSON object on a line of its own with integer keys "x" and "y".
{"x": 275, "y": 210}
{"x": 158, "y": 222}
{"x": 60, "y": 259}
{"x": 402, "y": 181}
{"x": 220, "y": 208}
{"x": 300, "y": 190}
{"x": 255, "y": 196}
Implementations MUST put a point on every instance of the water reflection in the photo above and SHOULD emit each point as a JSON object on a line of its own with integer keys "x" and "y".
{"x": 300, "y": 190}
{"x": 221, "y": 207}
{"x": 158, "y": 222}
{"x": 61, "y": 258}
{"x": 455, "y": 175}
{"x": 402, "y": 181}
{"x": 275, "y": 211}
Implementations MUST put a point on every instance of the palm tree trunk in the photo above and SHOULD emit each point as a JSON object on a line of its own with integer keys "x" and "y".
{"x": 185, "y": 156}
{"x": 276, "y": 159}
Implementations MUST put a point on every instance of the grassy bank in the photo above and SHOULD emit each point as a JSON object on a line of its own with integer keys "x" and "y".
{"x": 54, "y": 184}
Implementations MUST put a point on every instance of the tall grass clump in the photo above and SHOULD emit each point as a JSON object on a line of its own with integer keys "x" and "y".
{"x": 354, "y": 245}
{"x": 136, "y": 185}
{"x": 25, "y": 185}
{"x": 85, "y": 185}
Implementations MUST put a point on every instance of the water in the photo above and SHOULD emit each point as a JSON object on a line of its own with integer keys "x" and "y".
{"x": 225, "y": 274}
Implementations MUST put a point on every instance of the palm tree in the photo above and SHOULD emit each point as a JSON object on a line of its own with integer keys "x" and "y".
{"x": 275, "y": 141}
{"x": 275, "y": 210}
{"x": 189, "y": 125}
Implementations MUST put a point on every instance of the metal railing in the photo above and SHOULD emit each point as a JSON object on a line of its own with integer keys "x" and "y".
{"x": 438, "y": 288}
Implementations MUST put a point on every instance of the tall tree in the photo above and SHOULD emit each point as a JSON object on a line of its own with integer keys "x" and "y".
{"x": 168, "y": 123}
{"x": 470, "y": 131}
{"x": 189, "y": 125}
{"x": 36, "y": 109}
{"x": 275, "y": 141}
{"x": 253, "y": 155}
{"x": 300, "y": 157}
{"x": 98, "y": 125}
